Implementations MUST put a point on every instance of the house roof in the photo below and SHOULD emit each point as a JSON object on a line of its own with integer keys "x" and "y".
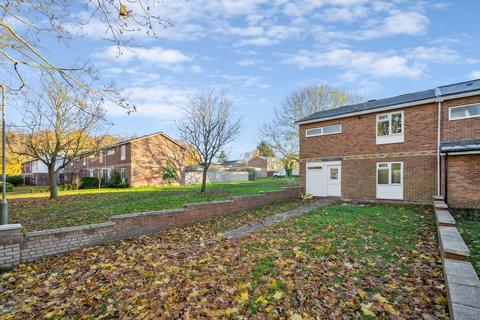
{"x": 442, "y": 91}
{"x": 144, "y": 137}
{"x": 460, "y": 146}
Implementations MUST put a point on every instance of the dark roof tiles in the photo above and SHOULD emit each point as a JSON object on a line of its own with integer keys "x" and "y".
{"x": 441, "y": 91}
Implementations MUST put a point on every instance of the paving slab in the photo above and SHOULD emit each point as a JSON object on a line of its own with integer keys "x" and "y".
{"x": 440, "y": 204}
{"x": 240, "y": 232}
{"x": 464, "y": 295}
{"x": 444, "y": 217}
{"x": 461, "y": 312}
{"x": 451, "y": 241}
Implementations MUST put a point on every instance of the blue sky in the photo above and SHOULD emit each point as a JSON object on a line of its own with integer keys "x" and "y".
{"x": 260, "y": 51}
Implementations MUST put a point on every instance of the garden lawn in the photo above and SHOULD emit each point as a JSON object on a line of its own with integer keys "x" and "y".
{"x": 470, "y": 230}
{"x": 336, "y": 262}
{"x": 36, "y": 212}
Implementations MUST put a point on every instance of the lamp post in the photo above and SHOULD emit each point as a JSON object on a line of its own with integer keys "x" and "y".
{"x": 4, "y": 219}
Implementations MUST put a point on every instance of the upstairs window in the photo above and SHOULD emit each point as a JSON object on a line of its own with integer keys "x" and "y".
{"x": 464, "y": 112}
{"x": 322, "y": 131}
{"x": 101, "y": 156}
{"x": 390, "y": 127}
{"x": 122, "y": 152}
{"x": 110, "y": 151}
{"x": 84, "y": 161}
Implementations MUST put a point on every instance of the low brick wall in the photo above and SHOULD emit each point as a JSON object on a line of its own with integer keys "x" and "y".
{"x": 16, "y": 247}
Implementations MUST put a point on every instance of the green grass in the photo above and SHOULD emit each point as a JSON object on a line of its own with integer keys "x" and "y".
{"x": 468, "y": 225}
{"x": 334, "y": 262}
{"x": 75, "y": 207}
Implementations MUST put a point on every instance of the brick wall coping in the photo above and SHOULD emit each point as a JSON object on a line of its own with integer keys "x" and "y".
{"x": 462, "y": 283}
{"x": 6, "y": 227}
{"x": 57, "y": 231}
{"x": 194, "y": 204}
{"x": 246, "y": 197}
{"x": 451, "y": 241}
{"x": 145, "y": 214}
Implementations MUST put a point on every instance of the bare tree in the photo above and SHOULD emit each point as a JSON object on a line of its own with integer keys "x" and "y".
{"x": 282, "y": 133}
{"x": 25, "y": 26}
{"x": 208, "y": 126}
{"x": 58, "y": 126}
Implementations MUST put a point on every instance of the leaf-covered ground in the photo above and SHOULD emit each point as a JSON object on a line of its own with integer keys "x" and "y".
{"x": 338, "y": 262}
{"x": 77, "y": 207}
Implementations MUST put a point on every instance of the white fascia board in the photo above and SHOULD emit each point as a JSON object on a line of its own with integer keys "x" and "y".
{"x": 392, "y": 107}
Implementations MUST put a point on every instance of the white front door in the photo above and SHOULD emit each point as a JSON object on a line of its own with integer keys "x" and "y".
{"x": 323, "y": 179}
{"x": 334, "y": 176}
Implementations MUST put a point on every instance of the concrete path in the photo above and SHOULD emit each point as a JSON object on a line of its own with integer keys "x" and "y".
{"x": 240, "y": 232}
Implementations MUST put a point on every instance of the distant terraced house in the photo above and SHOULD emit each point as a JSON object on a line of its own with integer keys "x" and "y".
{"x": 405, "y": 148}
{"x": 139, "y": 161}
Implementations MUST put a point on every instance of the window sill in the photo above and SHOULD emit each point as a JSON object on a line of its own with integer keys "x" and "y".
{"x": 390, "y": 139}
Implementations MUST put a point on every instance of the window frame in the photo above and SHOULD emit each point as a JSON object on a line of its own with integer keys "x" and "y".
{"x": 100, "y": 155}
{"x": 322, "y": 128}
{"x": 110, "y": 151}
{"x": 123, "y": 173}
{"x": 462, "y": 106}
{"x": 389, "y": 114}
{"x": 389, "y": 168}
{"x": 123, "y": 152}
{"x": 391, "y": 137}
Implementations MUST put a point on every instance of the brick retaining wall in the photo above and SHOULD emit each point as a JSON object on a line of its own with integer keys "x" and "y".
{"x": 16, "y": 247}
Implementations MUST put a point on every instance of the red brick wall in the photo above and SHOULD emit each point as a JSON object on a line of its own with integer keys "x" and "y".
{"x": 359, "y": 178}
{"x": 462, "y": 129}
{"x": 358, "y": 135}
{"x": 16, "y": 247}
{"x": 150, "y": 155}
{"x": 464, "y": 181}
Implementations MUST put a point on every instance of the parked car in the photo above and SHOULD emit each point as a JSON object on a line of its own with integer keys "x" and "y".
{"x": 280, "y": 173}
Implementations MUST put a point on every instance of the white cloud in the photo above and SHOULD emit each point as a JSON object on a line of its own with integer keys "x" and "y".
{"x": 372, "y": 63}
{"x": 397, "y": 23}
{"x": 249, "y": 62}
{"x": 158, "y": 56}
{"x": 475, "y": 74}
{"x": 434, "y": 54}
{"x": 160, "y": 101}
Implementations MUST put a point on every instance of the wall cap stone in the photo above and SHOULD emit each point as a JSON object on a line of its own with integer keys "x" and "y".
{"x": 194, "y": 204}
{"x": 9, "y": 227}
{"x": 451, "y": 241}
{"x": 69, "y": 229}
{"x": 145, "y": 214}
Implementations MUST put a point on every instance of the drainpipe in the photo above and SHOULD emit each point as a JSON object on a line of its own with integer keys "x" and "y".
{"x": 439, "y": 128}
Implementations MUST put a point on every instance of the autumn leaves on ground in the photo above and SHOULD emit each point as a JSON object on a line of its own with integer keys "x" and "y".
{"x": 336, "y": 262}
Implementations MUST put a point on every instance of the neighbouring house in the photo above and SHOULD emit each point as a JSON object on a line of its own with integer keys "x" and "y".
{"x": 35, "y": 173}
{"x": 405, "y": 148}
{"x": 265, "y": 166}
{"x": 139, "y": 161}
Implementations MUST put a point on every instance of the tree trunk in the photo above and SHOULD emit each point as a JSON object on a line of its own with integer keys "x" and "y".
{"x": 204, "y": 179}
{"x": 52, "y": 177}
{"x": 288, "y": 170}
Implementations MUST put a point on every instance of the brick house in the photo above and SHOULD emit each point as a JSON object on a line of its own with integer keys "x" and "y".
{"x": 35, "y": 173}
{"x": 140, "y": 161}
{"x": 405, "y": 148}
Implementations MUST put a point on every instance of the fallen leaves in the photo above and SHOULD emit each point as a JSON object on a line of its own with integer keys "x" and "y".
{"x": 339, "y": 262}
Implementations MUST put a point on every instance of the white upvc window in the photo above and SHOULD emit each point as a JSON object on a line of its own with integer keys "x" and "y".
{"x": 390, "y": 127}
{"x": 123, "y": 173}
{"x": 123, "y": 152}
{"x": 323, "y": 131}
{"x": 464, "y": 112}
{"x": 84, "y": 159}
{"x": 110, "y": 151}
{"x": 390, "y": 180}
{"x": 390, "y": 173}
{"x": 101, "y": 156}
